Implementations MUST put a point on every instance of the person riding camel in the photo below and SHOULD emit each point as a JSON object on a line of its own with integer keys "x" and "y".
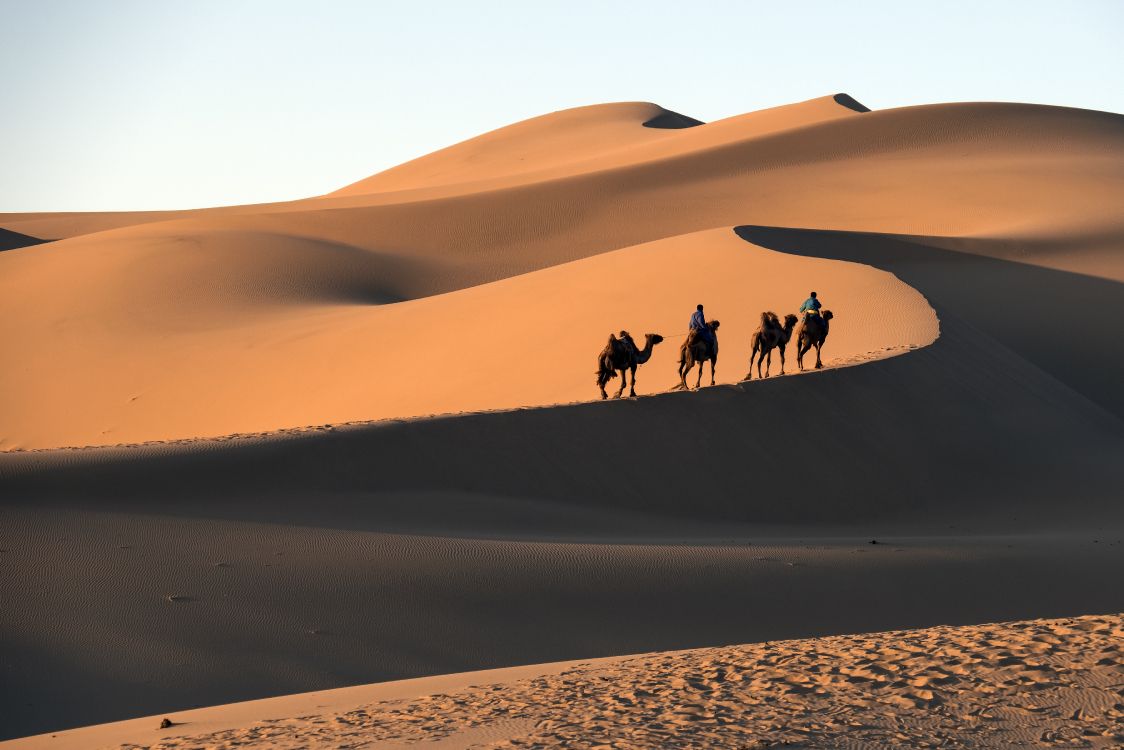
{"x": 698, "y": 326}
{"x": 811, "y": 306}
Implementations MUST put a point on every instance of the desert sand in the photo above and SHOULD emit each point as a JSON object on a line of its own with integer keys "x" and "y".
{"x": 1045, "y": 683}
{"x": 278, "y": 448}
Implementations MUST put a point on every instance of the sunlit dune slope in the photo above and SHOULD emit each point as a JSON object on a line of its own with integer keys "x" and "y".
{"x": 587, "y": 139}
{"x": 1039, "y": 184}
{"x": 277, "y": 340}
{"x": 552, "y": 140}
{"x": 556, "y": 145}
{"x": 158, "y": 329}
{"x": 1026, "y": 172}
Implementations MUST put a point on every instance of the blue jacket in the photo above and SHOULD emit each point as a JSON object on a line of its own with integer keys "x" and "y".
{"x": 698, "y": 321}
{"x": 810, "y": 304}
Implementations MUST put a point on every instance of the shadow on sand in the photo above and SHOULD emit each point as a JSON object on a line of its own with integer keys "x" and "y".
{"x": 1048, "y": 317}
{"x": 10, "y": 240}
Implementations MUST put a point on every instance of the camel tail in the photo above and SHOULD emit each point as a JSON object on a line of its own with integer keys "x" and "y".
{"x": 605, "y": 371}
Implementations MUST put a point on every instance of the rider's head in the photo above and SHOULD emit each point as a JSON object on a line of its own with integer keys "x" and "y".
{"x": 699, "y": 308}
{"x": 813, "y": 295}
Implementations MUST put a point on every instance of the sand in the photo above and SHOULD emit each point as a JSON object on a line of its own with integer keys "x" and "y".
{"x": 262, "y": 450}
{"x": 1045, "y": 683}
{"x": 262, "y": 318}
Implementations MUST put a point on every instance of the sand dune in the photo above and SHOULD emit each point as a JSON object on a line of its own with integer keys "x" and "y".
{"x": 979, "y": 170}
{"x": 1041, "y": 682}
{"x": 535, "y": 145}
{"x": 296, "y": 518}
{"x": 570, "y": 528}
{"x": 559, "y": 144}
{"x": 297, "y": 334}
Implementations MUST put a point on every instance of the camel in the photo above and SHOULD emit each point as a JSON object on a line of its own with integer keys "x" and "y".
{"x": 623, "y": 355}
{"x": 770, "y": 335}
{"x": 696, "y": 350}
{"x": 812, "y": 333}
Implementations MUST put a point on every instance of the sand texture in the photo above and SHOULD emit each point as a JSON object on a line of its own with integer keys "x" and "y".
{"x": 265, "y": 450}
{"x": 1040, "y": 683}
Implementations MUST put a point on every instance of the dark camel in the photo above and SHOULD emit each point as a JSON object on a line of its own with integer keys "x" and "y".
{"x": 697, "y": 350}
{"x": 812, "y": 333}
{"x": 622, "y": 355}
{"x": 770, "y": 335}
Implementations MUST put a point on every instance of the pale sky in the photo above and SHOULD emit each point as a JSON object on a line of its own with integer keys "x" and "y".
{"x": 141, "y": 104}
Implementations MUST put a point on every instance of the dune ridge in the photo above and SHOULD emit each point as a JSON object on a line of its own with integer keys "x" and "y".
{"x": 350, "y": 354}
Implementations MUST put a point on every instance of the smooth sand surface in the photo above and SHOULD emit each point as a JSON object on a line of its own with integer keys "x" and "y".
{"x": 275, "y": 508}
{"x": 155, "y": 331}
{"x": 258, "y": 364}
{"x": 1045, "y": 683}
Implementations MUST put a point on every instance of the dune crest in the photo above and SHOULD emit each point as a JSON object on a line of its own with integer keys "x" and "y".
{"x": 572, "y": 135}
{"x": 295, "y": 326}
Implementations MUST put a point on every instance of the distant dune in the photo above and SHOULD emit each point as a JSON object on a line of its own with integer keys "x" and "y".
{"x": 267, "y": 449}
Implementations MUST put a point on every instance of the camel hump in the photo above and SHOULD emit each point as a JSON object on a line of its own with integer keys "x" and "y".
{"x": 768, "y": 319}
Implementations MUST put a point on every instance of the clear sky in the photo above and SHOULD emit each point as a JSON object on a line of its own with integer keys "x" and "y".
{"x": 131, "y": 104}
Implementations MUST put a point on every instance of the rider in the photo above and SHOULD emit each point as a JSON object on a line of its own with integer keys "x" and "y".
{"x": 699, "y": 326}
{"x": 810, "y": 307}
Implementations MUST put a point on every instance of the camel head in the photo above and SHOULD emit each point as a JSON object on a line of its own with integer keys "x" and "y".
{"x": 790, "y": 321}
{"x": 713, "y": 325}
{"x": 827, "y": 315}
{"x": 654, "y": 338}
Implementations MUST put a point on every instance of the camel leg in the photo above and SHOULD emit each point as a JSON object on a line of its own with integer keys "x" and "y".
{"x": 782, "y": 360}
{"x": 749, "y": 375}
{"x": 819, "y": 364}
{"x": 698, "y": 381}
{"x": 800, "y": 350}
{"x": 624, "y": 379}
{"x": 769, "y": 363}
{"x": 632, "y": 389}
{"x": 713, "y": 362}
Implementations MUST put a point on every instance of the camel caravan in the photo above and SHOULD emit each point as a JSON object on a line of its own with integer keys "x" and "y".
{"x": 622, "y": 355}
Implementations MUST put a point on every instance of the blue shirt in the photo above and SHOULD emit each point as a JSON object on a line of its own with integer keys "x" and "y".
{"x": 810, "y": 304}
{"x": 698, "y": 322}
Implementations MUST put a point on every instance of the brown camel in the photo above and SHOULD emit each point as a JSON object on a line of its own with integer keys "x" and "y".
{"x": 812, "y": 333}
{"x": 770, "y": 335}
{"x": 697, "y": 350}
{"x": 623, "y": 355}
